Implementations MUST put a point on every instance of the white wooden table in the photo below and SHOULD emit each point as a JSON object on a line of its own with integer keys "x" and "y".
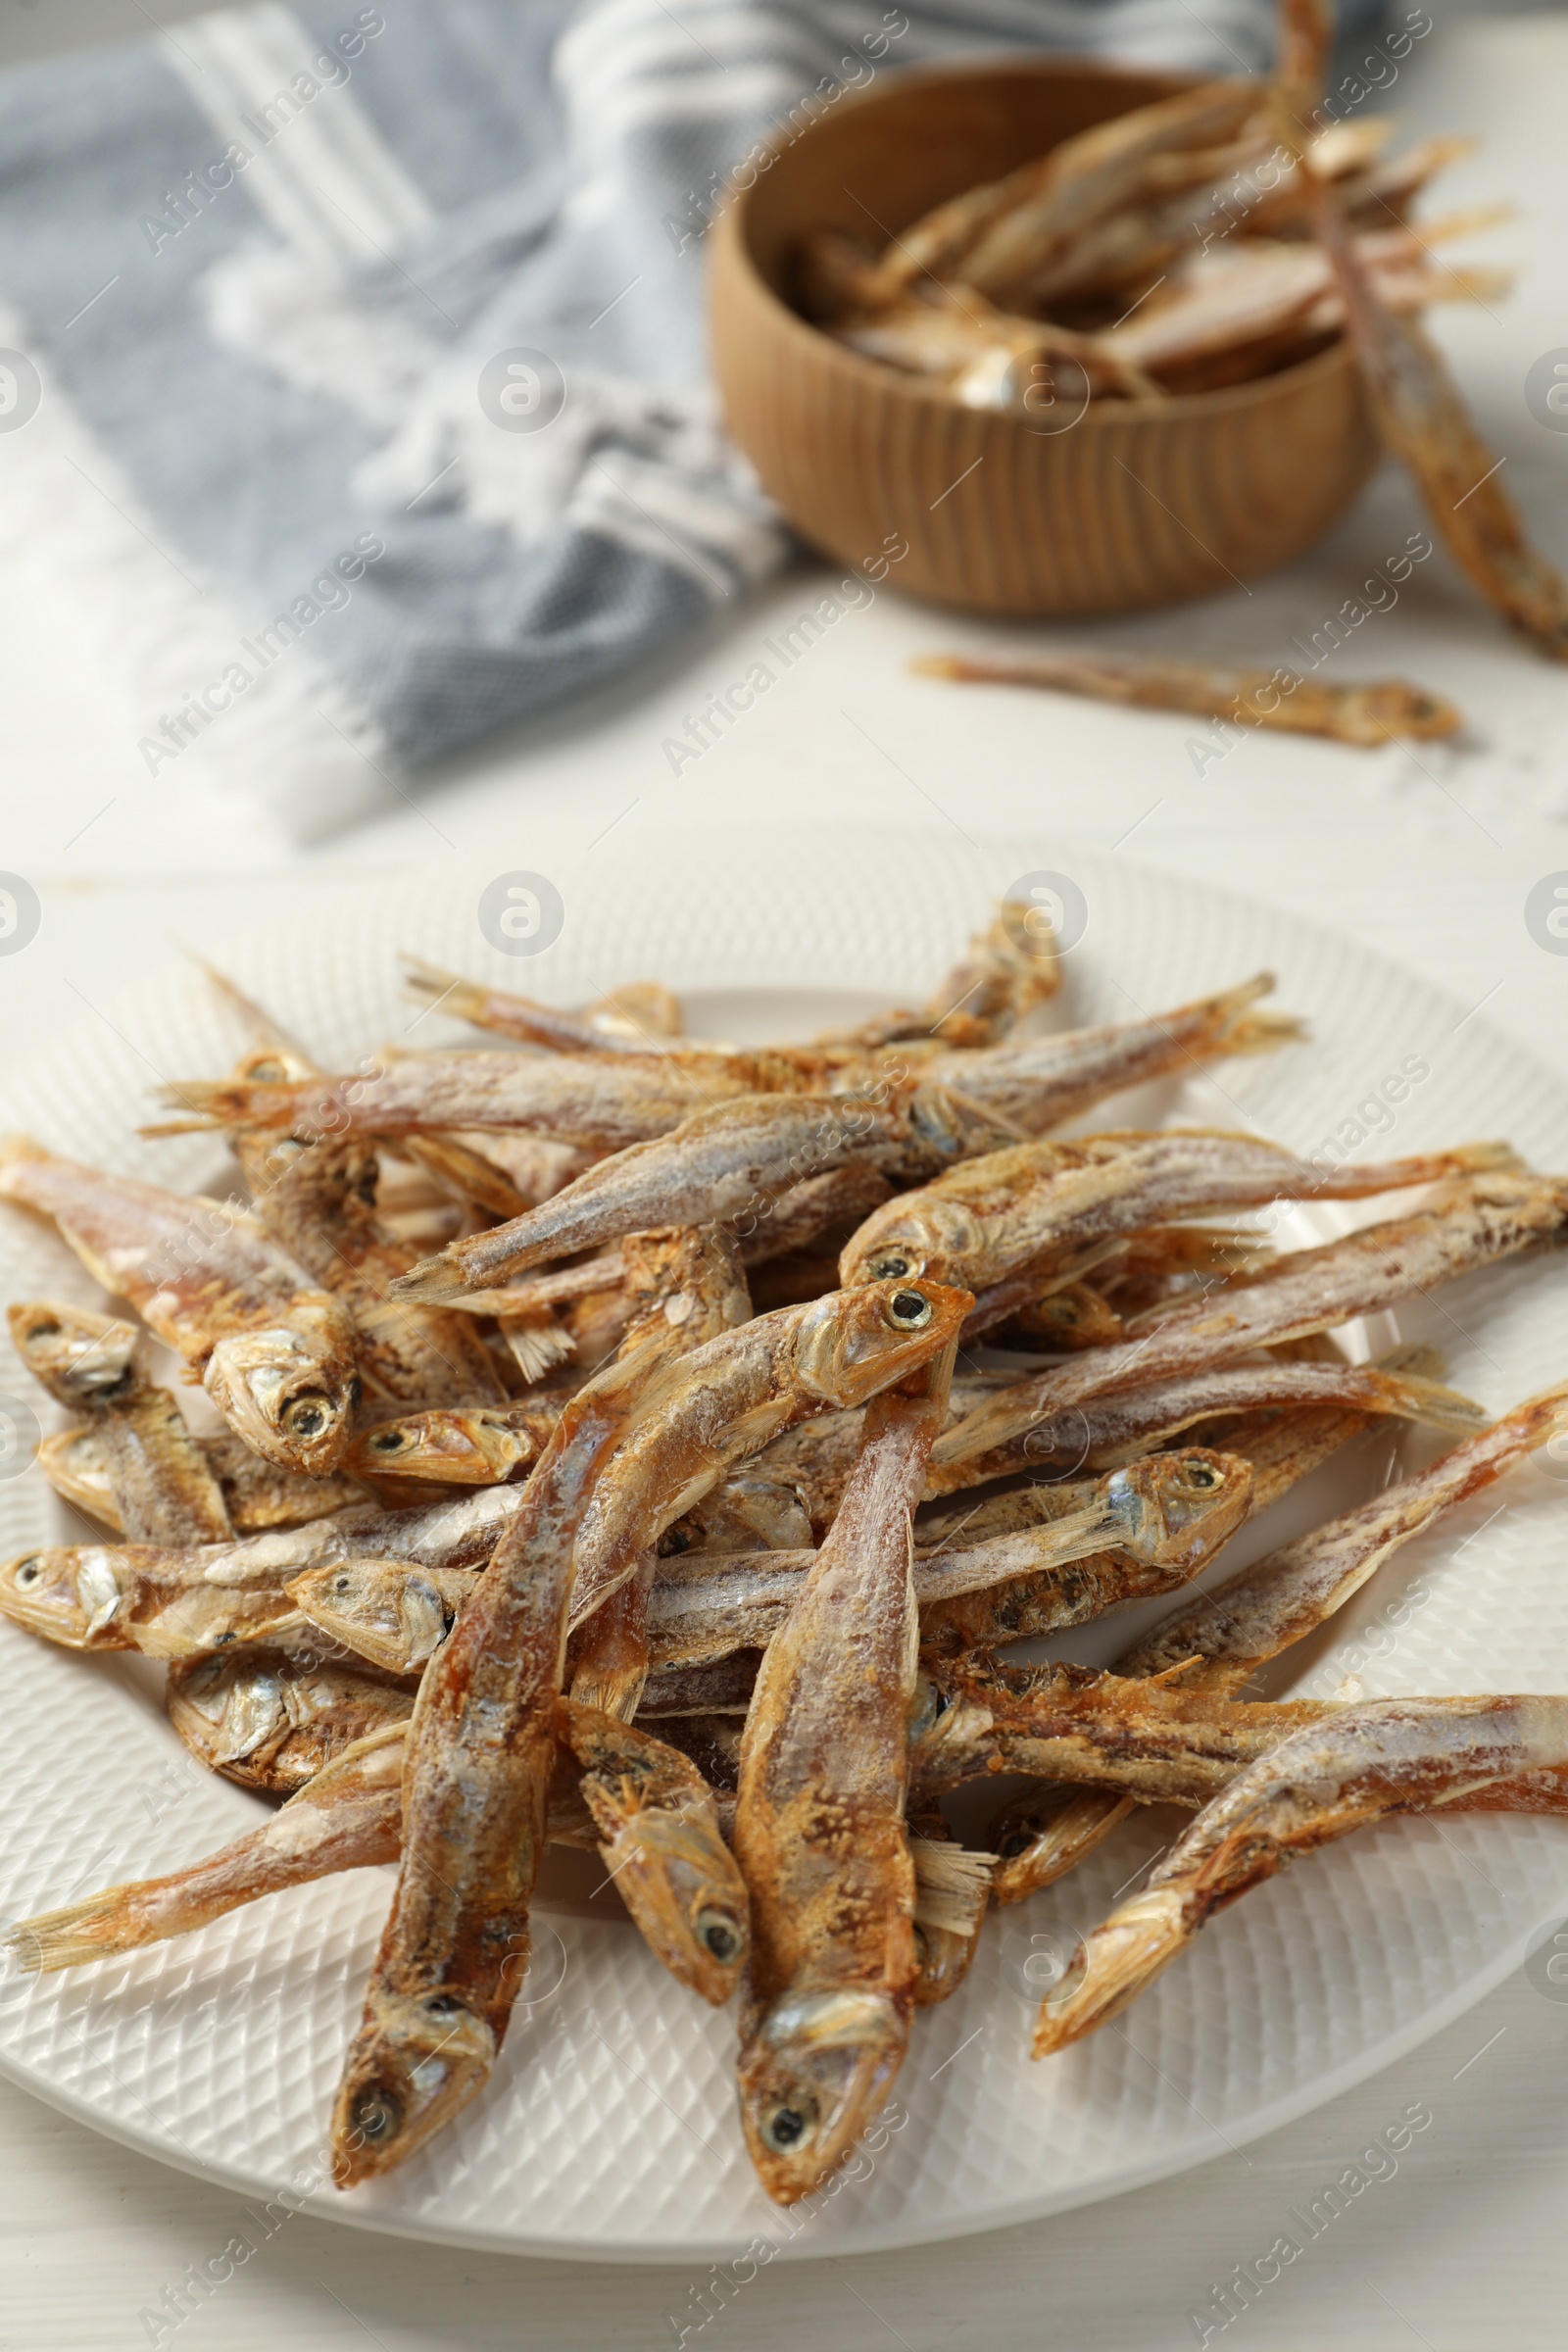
{"x": 1430, "y": 859}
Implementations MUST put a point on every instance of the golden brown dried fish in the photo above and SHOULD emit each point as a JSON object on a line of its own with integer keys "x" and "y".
{"x": 1000, "y": 238}
{"x": 457, "y": 1531}
{"x": 1046, "y": 1081}
{"x": 651, "y": 1808}
{"x": 274, "y": 1718}
{"x": 479, "y": 1447}
{"x": 606, "y": 1102}
{"x": 721, "y": 1405}
{"x": 1391, "y": 1755}
{"x": 1066, "y": 1723}
{"x": 728, "y": 1161}
{"x": 723, "y": 1163}
{"x": 447, "y": 1972}
{"x": 456, "y": 1944}
{"x": 692, "y": 1291}
{"x": 1031, "y": 1204}
{"x": 347, "y": 1817}
{"x": 161, "y": 1485}
{"x": 318, "y": 1203}
{"x": 274, "y": 1353}
{"x": 257, "y": 1494}
{"x": 1423, "y": 418}
{"x": 1473, "y": 1222}
{"x": 985, "y": 357}
{"x": 1371, "y": 714}
{"x": 819, "y": 1826}
{"x": 1171, "y": 1515}
{"x": 1252, "y": 1618}
{"x": 138, "y": 1596}
{"x": 662, "y": 1848}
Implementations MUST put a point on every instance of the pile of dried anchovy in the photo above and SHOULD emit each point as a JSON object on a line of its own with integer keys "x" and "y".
{"x": 622, "y": 1520}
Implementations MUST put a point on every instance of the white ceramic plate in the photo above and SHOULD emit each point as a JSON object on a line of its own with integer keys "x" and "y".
{"x": 610, "y": 2129}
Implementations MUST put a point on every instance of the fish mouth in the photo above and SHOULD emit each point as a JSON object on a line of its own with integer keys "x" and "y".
{"x": 289, "y": 1396}
{"x": 811, "y": 2078}
{"x": 418, "y": 2061}
{"x": 687, "y": 1898}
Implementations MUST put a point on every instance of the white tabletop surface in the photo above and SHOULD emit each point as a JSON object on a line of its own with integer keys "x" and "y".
{"x": 1428, "y": 857}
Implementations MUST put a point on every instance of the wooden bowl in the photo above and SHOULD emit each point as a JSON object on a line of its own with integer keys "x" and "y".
{"x": 1137, "y": 502}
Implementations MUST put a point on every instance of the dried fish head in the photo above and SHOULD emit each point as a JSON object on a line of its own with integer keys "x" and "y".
{"x": 925, "y": 1234}
{"x": 395, "y": 1615}
{"x": 82, "y": 1360}
{"x": 810, "y": 2079}
{"x": 677, "y": 1878}
{"x": 1143, "y": 1937}
{"x": 1179, "y": 1508}
{"x": 70, "y": 1594}
{"x": 289, "y": 1389}
{"x": 853, "y": 1343}
{"x": 477, "y": 1447}
{"x": 429, "y": 2056}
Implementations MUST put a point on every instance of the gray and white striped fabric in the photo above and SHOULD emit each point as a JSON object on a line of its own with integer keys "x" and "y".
{"x": 354, "y": 355}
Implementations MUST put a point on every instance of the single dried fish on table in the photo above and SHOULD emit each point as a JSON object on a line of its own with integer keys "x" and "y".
{"x": 161, "y": 1484}
{"x": 274, "y": 1353}
{"x": 1370, "y": 711}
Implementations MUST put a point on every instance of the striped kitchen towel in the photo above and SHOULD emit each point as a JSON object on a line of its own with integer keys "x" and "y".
{"x": 352, "y": 358}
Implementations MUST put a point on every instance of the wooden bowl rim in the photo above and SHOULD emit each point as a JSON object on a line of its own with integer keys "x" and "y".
{"x": 891, "y": 383}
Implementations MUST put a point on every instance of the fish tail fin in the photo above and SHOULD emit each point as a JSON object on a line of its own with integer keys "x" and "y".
{"x": 95, "y": 1929}
{"x": 1439, "y": 1407}
{"x": 1236, "y": 1028}
{"x": 17, "y": 1150}
{"x": 538, "y": 1340}
{"x": 438, "y": 986}
{"x": 952, "y": 1885}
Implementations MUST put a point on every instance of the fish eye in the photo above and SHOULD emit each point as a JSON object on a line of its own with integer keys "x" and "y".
{"x": 443, "y": 2004}
{"x": 342, "y": 1584}
{"x": 1016, "y": 1841}
{"x": 1201, "y": 1475}
{"x": 28, "y": 1572}
{"x": 907, "y": 1311}
{"x": 43, "y": 1331}
{"x": 889, "y": 1268}
{"x": 718, "y": 1932}
{"x": 388, "y": 1440}
{"x": 785, "y": 2126}
{"x": 375, "y": 2114}
{"x": 307, "y": 1415}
